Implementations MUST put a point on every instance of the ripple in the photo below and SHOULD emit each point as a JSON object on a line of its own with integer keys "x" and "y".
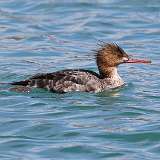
{"x": 45, "y": 36}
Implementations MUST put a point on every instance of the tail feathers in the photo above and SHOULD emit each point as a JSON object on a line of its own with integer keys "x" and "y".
{"x": 22, "y": 83}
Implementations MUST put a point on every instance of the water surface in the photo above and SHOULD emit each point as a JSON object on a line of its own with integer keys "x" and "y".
{"x": 48, "y": 35}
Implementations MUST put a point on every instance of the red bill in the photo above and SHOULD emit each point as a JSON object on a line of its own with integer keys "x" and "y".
{"x": 138, "y": 61}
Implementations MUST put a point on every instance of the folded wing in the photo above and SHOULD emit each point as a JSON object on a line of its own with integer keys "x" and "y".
{"x": 64, "y": 81}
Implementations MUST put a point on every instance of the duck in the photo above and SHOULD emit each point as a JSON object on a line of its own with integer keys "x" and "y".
{"x": 108, "y": 58}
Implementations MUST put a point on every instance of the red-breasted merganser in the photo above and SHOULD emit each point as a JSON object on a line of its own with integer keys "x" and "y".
{"x": 108, "y": 57}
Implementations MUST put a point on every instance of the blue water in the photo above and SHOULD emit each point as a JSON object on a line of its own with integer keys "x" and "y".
{"x": 49, "y": 35}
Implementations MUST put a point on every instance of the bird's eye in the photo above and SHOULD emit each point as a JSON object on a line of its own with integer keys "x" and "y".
{"x": 119, "y": 54}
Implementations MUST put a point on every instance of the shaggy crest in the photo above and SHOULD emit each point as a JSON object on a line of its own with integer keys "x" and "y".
{"x": 109, "y": 48}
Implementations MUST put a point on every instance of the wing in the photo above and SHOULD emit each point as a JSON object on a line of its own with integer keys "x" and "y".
{"x": 63, "y": 81}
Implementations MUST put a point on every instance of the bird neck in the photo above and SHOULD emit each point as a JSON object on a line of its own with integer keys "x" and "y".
{"x": 107, "y": 72}
{"x": 110, "y": 76}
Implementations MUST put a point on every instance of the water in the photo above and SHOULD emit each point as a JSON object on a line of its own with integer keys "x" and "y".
{"x": 49, "y": 35}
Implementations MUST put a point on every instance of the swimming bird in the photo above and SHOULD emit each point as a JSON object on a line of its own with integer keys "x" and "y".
{"x": 108, "y": 57}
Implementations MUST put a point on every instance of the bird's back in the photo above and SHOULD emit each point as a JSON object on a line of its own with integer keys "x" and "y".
{"x": 65, "y": 81}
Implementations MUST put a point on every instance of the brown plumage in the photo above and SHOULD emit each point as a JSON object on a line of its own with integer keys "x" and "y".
{"x": 108, "y": 57}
